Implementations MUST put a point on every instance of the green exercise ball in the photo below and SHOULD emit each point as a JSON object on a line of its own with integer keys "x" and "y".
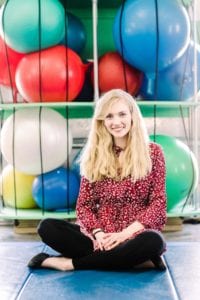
{"x": 181, "y": 170}
{"x": 27, "y": 26}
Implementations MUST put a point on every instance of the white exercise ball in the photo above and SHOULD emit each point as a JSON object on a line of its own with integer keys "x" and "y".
{"x": 35, "y": 140}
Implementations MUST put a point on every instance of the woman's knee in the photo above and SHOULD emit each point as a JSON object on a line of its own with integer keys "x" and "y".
{"x": 153, "y": 240}
{"x": 44, "y": 226}
{"x": 157, "y": 241}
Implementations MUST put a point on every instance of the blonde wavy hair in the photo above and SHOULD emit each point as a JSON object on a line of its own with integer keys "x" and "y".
{"x": 99, "y": 161}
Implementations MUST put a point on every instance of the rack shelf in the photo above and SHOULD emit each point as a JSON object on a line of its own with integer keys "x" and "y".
{"x": 34, "y": 214}
{"x": 85, "y": 109}
{"x": 38, "y": 214}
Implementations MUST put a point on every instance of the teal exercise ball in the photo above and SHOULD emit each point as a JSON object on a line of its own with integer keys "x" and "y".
{"x": 27, "y": 26}
{"x": 181, "y": 170}
{"x": 56, "y": 190}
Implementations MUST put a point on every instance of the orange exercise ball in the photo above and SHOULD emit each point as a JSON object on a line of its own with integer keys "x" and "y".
{"x": 9, "y": 60}
{"x": 52, "y": 75}
{"x": 114, "y": 73}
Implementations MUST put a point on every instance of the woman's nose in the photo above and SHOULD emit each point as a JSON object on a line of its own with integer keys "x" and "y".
{"x": 116, "y": 120}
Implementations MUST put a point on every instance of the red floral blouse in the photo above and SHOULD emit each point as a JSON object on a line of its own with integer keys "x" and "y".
{"x": 113, "y": 205}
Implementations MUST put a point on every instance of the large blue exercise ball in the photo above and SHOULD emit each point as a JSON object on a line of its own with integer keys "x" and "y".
{"x": 177, "y": 81}
{"x": 75, "y": 33}
{"x": 56, "y": 190}
{"x": 143, "y": 44}
{"x": 27, "y": 26}
{"x": 181, "y": 170}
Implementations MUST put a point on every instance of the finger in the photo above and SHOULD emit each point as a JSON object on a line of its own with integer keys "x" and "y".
{"x": 112, "y": 240}
{"x": 107, "y": 236}
{"x": 108, "y": 243}
{"x": 100, "y": 246}
{"x": 112, "y": 245}
{"x": 110, "y": 237}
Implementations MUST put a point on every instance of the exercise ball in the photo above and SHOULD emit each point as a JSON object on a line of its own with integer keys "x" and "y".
{"x": 35, "y": 140}
{"x": 87, "y": 91}
{"x": 9, "y": 60}
{"x": 75, "y": 165}
{"x": 114, "y": 73}
{"x": 75, "y": 33}
{"x": 9, "y": 95}
{"x": 57, "y": 74}
{"x": 56, "y": 190}
{"x": 177, "y": 81}
{"x": 31, "y": 25}
{"x": 181, "y": 170}
{"x": 137, "y": 37}
{"x": 16, "y": 188}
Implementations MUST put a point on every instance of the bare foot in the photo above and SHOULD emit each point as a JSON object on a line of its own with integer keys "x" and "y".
{"x": 59, "y": 263}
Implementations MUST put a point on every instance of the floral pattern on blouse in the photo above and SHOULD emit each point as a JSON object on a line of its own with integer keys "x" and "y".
{"x": 113, "y": 205}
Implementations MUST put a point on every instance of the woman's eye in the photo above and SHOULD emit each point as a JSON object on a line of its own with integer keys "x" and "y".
{"x": 122, "y": 114}
{"x": 108, "y": 116}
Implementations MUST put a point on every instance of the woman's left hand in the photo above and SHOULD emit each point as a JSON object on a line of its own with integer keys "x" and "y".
{"x": 111, "y": 240}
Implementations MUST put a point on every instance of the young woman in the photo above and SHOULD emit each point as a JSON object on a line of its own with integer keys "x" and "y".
{"x": 121, "y": 206}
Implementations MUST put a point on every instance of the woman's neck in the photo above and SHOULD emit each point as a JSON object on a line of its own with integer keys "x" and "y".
{"x": 121, "y": 143}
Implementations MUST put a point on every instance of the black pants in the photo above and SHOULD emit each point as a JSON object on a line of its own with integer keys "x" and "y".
{"x": 67, "y": 239}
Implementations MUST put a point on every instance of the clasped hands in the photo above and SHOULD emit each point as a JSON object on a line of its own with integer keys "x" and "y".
{"x": 108, "y": 241}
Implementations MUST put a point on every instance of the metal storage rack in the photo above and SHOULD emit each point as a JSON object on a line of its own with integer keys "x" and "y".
{"x": 98, "y": 15}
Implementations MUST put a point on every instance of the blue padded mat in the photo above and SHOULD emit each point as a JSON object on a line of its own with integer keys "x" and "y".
{"x": 180, "y": 281}
{"x": 13, "y": 270}
{"x": 183, "y": 260}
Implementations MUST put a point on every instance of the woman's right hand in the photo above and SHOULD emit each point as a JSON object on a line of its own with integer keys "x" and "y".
{"x": 99, "y": 236}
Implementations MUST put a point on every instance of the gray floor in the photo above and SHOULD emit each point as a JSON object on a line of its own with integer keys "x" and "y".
{"x": 189, "y": 232}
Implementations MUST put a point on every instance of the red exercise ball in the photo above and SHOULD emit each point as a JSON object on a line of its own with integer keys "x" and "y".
{"x": 52, "y": 75}
{"x": 9, "y": 60}
{"x": 114, "y": 73}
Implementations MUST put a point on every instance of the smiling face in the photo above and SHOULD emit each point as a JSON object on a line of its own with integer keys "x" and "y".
{"x": 118, "y": 121}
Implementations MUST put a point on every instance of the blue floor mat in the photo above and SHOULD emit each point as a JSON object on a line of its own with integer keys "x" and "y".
{"x": 180, "y": 281}
{"x": 183, "y": 260}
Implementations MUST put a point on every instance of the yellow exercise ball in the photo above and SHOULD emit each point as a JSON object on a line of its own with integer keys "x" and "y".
{"x": 16, "y": 188}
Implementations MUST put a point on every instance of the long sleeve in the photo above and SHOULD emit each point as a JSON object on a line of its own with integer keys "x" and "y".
{"x": 154, "y": 216}
{"x": 86, "y": 207}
